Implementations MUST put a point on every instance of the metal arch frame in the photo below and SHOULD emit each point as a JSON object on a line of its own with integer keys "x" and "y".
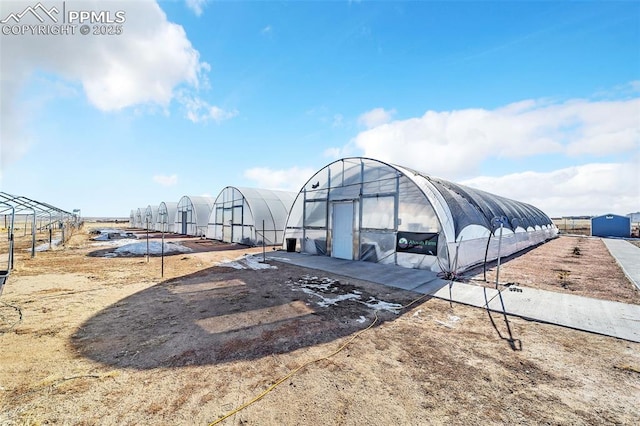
{"x": 9, "y": 234}
{"x": 4, "y": 274}
{"x": 36, "y": 209}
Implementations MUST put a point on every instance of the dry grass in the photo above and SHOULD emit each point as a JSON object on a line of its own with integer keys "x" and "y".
{"x": 107, "y": 341}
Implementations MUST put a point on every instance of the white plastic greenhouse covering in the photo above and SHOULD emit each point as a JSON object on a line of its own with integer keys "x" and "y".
{"x": 165, "y": 220}
{"x": 364, "y": 209}
{"x": 192, "y": 215}
{"x": 149, "y": 219}
{"x": 239, "y": 214}
{"x": 139, "y": 217}
{"x": 132, "y": 219}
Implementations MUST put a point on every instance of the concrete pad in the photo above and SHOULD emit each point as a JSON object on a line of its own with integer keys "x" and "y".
{"x": 391, "y": 275}
{"x": 581, "y": 313}
{"x": 628, "y": 257}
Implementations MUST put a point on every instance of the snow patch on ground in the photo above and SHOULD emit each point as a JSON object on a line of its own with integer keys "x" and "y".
{"x": 45, "y": 246}
{"x": 245, "y": 262}
{"x": 330, "y": 292}
{"x": 155, "y": 247}
{"x": 330, "y": 301}
{"x": 450, "y": 323}
{"x": 109, "y": 234}
{"x": 113, "y": 243}
{"x": 380, "y": 305}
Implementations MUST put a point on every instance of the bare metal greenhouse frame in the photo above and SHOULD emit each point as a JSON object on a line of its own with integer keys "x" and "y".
{"x": 35, "y": 216}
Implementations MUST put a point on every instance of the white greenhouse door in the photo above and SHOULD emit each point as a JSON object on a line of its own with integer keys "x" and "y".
{"x": 342, "y": 231}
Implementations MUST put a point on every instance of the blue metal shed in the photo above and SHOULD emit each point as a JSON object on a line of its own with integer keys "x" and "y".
{"x": 611, "y": 225}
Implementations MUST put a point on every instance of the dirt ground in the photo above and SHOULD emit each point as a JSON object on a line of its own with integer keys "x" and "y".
{"x": 105, "y": 340}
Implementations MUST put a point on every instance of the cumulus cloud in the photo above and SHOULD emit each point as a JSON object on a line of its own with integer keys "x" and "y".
{"x": 285, "y": 179}
{"x": 589, "y": 189}
{"x": 376, "y": 117}
{"x": 454, "y": 143}
{"x": 197, "y": 6}
{"x": 143, "y": 65}
{"x": 166, "y": 180}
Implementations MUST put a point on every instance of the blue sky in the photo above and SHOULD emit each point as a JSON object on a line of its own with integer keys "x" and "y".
{"x": 537, "y": 101}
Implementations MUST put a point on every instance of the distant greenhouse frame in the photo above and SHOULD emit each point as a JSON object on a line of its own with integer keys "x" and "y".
{"x": 40, "y": 217}
{"x": 239, "y": 215}
{"x": 364, "y": 209}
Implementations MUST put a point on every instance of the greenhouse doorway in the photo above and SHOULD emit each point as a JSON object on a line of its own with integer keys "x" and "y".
{"x": 184, "y": 223}
{"x": 227, "y": 225}
{"x": 342, "y": 231}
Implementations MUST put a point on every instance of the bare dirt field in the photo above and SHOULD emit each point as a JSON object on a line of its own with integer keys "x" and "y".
{"x": 106, "y": 340}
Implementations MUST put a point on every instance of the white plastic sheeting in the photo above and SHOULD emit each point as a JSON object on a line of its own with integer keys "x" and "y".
{"x": 192, "y": 215}
{"x": 408, "y": 218}
{"x": 139, "y": 217}
{"x": 149, "y": 219}
{"x": 250, "y": 216}
{"x": 165, "y": 219}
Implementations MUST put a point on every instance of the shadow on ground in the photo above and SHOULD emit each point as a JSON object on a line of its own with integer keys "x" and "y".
{"x": 222, "y": 314}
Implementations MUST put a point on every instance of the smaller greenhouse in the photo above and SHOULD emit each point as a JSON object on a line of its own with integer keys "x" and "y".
{"x": 364, "y": 209}
{"x": 139, "y": 217}
{"x": 165, "y": 219}
{"x": 132, "y": 219}
{"x": 250, "y": 216}
{"x": 192, "y": 215}
{"x": 149, "y": 219}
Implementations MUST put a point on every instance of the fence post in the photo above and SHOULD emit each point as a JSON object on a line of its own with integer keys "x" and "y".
{"x": 147, "y": 240}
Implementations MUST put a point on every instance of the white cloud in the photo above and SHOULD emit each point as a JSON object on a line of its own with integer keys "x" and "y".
{"x": 453, "y": 144}
{"x": 166, "y": 180}
{"x": 197, "y": 6}
{"x": 589, "y": 189}
{"x": 142, "y": 66}
{"x": 198, "y": 110}
{"x": 267, "y": 30}
{"x": 376, "y": 117}
{"x": 289, "y": 180}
